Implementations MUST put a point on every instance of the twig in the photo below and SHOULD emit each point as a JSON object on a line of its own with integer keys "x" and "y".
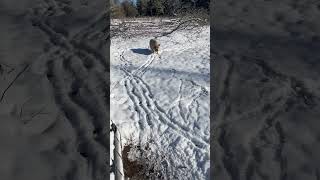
{"x": 40, "y": 112}
{"x": 2, "y": 69}
{"x": 23, "y": 105}
{"x": 6, "y": 65}
{"x": 18, "y": 75}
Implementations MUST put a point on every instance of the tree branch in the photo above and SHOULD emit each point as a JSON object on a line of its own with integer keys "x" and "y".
{"x": 179, "y": 25}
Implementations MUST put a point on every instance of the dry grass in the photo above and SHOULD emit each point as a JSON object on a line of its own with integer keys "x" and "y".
{"x": 139, "y": 161}
{"x": 144, "y": 162}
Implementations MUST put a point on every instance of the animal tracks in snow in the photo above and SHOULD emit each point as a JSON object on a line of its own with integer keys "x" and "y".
{"x": 167, "y": 98}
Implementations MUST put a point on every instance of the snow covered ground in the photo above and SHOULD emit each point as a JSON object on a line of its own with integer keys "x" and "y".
{"x": 165, "y": 96}
{"x": 53, "y": 79}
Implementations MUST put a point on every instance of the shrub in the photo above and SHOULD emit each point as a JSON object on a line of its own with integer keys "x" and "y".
{"x": 117, "y": 11}
{"x": 129, "y": 9}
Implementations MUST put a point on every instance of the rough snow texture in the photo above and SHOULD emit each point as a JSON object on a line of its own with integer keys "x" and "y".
{"x": 266, "y": 90}
{"x": 53, "y": 116}
{"x": 287, "y": 18}
{"x": 166, "y": 96}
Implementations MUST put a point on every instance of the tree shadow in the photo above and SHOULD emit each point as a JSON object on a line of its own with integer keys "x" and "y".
{"x": 143, "y": 51}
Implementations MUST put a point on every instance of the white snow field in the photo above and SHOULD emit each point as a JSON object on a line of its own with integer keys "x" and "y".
{"x": 165, "y": 96}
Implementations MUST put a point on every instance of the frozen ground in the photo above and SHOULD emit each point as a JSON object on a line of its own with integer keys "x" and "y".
{"x": 166, "y": 96}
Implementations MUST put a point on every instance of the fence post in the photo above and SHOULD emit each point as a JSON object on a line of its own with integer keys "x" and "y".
{"x": 117, "y": 153}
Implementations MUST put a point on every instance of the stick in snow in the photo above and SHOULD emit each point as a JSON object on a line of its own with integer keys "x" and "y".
{"x": 18, "y": 75}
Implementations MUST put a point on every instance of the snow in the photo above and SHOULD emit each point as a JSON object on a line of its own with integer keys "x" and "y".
{"x": 46, "y": 131}
{"x": 266, "y": 90}
{"x": 165, "y": 96}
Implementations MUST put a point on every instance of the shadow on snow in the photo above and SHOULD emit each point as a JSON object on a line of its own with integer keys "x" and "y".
{"x": 143, "y": 51}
